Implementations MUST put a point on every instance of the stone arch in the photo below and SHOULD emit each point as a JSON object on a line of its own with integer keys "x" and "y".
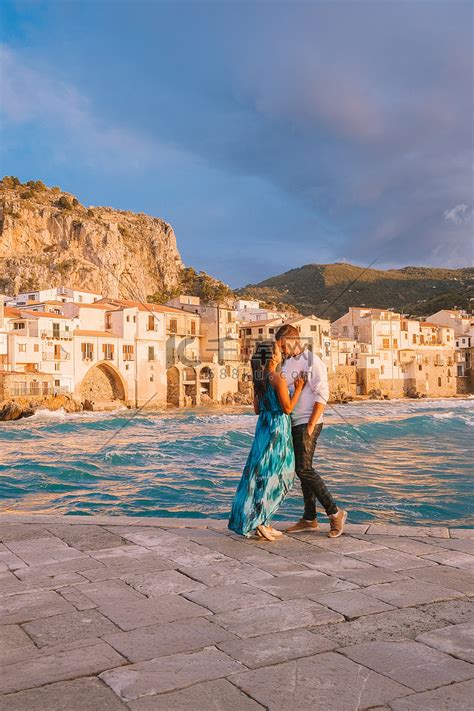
{"x": 207, "y": 382}
{"x": 103, "y": 383}
{"x": 191, "y": 389}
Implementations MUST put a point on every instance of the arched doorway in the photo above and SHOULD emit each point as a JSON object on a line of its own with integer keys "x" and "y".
{"x": 206, "y": 382}
{"x": 102, "y": 383}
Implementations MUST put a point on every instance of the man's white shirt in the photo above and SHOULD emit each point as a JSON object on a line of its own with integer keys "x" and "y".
{"x": 316, "y": 388}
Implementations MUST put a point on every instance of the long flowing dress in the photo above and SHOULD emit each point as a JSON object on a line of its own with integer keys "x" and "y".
{"x": 270, "y": 469}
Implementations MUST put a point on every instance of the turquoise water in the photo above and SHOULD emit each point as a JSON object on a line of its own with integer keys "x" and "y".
{"x": 398, "y": 462}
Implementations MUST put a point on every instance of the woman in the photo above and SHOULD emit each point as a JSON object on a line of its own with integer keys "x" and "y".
{"x": 269, "y": 472}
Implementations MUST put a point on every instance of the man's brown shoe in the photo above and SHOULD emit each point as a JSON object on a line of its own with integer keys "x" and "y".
{"x": 337, "y": 522}
{"x": 303, "y": 525}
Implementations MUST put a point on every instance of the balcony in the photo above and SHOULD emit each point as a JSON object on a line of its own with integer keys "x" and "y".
{"x": 57, "y": 335}
{"x": 50, "y": 355}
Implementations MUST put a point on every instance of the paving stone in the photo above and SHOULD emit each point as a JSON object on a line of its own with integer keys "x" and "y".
{"x": 224, "y": 598}
{"x": 464, "y": 545}
{"x": 330, "y": 563}
{"x": 72, "y": 626}
{"x": 50, "y": 570}
{"x": 396, "y": 625}
{"x": 22, "y": 532}
{"x": 455, "y": 697}
{"x": 411, "y": 531}
{"x": 309, "y": 583}
{"x": 76, "y": 695}
{"x": 455, "y": 612}
{"x": 15, "y": 644}
{"x": 344, "y": 544}
{"x": 161, "y": 583}
{"x": 276, "y": 647}
{"x": 86, "y": 538}
{"x": 407, "y": 593}
{"x": 454, "y": 559}
{"x": 53, "y": 582}
{"x": 128, "y": 566}
{"x": 141, "y": 536}
{"x": 415, "y": 665}
{"x": 457, "y": 640}
{"x": 109, "y": 592}
{"x": 272, "y": 563}
{"x": 461, "y": 532}
{"x": 226, "y": 573}
{"x": 163, "y": 640}
{"x": 41, "y": 551}
{"x": 371, "y": 576}
{"x": 218, "y": 695}
{"x": 453, "y": 578}
{"x": 31, "y": 606}
{"x": 352, "y": 603}
{"x": 9, "y": 583}
{"x": 8, "y": 560}
{"x": 77, "y": 598}
{"x": 325, "y": 681}
{"x": 41, "y": 670}
{"x": 168, "y": 673}
{"x": 279, "y": 617}
{"x": 420, "y": 546}
{"x": 142, "y": 613}
{"x": 391, "y": 559}
{"x": 123, "y": 554}
{"x": 189, "y": 559}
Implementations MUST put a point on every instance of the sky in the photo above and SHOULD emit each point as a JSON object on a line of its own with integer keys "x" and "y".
{"x": 270, "y": 134}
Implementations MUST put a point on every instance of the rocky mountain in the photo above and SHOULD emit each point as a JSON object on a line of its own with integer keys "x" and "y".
{"x": 327, "y": 290}
{"x": 48, "y": 238}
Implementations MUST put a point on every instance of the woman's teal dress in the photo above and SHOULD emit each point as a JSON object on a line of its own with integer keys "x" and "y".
{"x": 270, "y": 469}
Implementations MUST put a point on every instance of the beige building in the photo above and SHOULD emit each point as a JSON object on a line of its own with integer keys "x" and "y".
{"x": 414, "y": 358}
{"x": 463, "y": 325}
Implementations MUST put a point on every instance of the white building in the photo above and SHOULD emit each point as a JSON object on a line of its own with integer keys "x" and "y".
{"x": 62, "y": 294}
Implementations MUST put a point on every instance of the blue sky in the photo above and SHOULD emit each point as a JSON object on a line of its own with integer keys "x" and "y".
{"x": 269, "y": 134}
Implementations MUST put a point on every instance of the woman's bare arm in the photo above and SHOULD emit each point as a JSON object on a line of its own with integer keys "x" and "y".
{"x": 280, "y": 386}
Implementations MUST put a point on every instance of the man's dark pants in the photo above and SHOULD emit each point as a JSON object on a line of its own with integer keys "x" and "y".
{"x": 312, "y": 485}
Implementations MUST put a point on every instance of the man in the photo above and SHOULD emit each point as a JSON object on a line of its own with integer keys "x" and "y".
{"x": 307, "y": 423}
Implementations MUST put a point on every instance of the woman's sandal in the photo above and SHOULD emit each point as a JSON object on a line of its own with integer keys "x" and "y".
{"x": 265, "y": 532}
{"x": 275, "y": 532}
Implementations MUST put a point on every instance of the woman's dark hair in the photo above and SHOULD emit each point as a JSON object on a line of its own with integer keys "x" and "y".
{"x": 264, "y": 352}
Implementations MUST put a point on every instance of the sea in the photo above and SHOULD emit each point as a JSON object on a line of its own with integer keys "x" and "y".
{"x": 400, "y": 462}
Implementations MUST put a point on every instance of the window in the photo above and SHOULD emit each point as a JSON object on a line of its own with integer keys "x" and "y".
{"x": 372, "y": 361}
{"x": 439, "y": 382}
{"x": 57, "y": 366}
{"x": 382, "y": 369}
{"x": 57, "y": 383}
{"x": 193, "y": 328}
{"x": 36, "y": 348}
{"x": 313, "y": 328}
{"x": 151, "y": 323}
{"x": 248, "y": 331}
{"x": 31, "y": 297}
{"x": 56, "y": 329}
{"x": 108, "y": 321}
{"x": 57, "y": 352}
{"x": 128, "y": 353}
{"x": 229, "y": 317}
{"x": 127, "y": 319}
{"x": 151, "y": 378}
{"x": 79, "y": 298}
{"x": 385, "y": 342}
{"x": 134, "y": 319}
{"x": 87, "y": 350}
{"x": 20, "y": 326}
{"x": 22, "y": 347}
{"x": 422, "y": 339}
{"x": 173, "y": 325}
{"x": 108, "y": 351}
{"x": 395, "y": 342}
{"x": 414, "y": 338}
{"x": 260, "y": 330}
{"x": 151, "y": 353}
{"x": 271, "y": 330}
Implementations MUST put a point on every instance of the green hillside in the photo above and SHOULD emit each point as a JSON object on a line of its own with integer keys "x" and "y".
{"x": 327, "y": 290}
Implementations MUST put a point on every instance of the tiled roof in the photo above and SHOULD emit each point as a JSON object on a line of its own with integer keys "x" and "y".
{"x": 43, "y": 314}
{"x": 105, "y": 306}
{"x": 257, "y": 324}
{"x": 142, "y": 306}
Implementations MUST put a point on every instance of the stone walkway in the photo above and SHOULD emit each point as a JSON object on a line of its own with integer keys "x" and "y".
{"x": 112, "y": 613}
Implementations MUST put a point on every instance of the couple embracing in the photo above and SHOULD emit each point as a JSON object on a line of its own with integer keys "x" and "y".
{"x": 290, "y": 394}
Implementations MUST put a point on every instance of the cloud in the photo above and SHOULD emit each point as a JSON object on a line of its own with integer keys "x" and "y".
{"x": 459, "y": 215}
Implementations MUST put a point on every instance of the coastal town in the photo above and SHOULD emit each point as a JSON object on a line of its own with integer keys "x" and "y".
{"x": 83, "y": 350}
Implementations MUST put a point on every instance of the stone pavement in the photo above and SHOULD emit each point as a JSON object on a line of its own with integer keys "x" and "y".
{"x": 114, "y": 613}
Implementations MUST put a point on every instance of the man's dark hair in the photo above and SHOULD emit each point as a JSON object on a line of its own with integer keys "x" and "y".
{"x": 287, "y": 331}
